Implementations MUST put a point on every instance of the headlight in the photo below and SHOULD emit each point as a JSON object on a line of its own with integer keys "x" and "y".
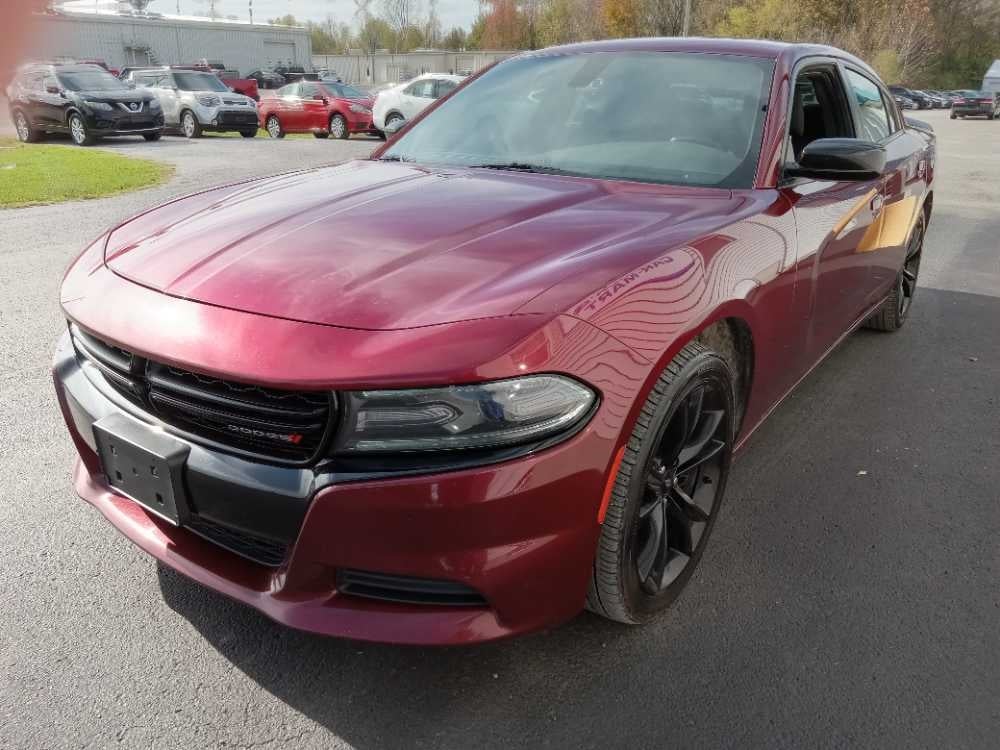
{"x": 154, "y": 103}
{"x": 209, "y": 101}
{"x": 487, "y": 415}
{"x": 102, "y": 106}
{"x": 360, "y": 109}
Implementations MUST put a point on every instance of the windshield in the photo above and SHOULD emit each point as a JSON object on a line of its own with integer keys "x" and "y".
{"x": 344, "y": 92}
{"x": 187, "y": 81}
{"x": 676, "y": 118}
{"x": 89, "y": 80}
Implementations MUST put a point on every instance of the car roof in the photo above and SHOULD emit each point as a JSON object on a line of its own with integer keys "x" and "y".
{"x": 743, "y": 47}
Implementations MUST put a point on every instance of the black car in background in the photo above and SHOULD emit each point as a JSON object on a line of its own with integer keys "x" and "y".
{"x": 85, "y": 101}
{"x": 268, "y": 79}
{"x": 918, "y": 97}
{"x": 976, "y": 104}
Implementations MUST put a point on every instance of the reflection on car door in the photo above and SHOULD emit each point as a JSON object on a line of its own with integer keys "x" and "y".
{"x": 835, "y": 221}
{"x": 416, "y": 97}
{"x": 313, "y": 109}
{"x": 49, "y": 102}
{"x": 903, "y": 181}
{"x": 289, "y": 107}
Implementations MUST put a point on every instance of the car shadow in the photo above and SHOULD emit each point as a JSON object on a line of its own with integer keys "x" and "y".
{"x": 817, "y": 617}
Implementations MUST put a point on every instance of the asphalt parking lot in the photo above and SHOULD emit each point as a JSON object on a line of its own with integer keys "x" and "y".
{"x": 848, "y": 598}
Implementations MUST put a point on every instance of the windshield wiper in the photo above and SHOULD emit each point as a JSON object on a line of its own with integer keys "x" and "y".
{"x": 394, "y": 158}
{"x": 516, "y": 166}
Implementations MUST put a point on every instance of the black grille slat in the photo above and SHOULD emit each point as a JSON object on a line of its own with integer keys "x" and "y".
{"x": 251, "y": 546}
{"x": 274, "y": 424}
{"x": 407, "y": 589}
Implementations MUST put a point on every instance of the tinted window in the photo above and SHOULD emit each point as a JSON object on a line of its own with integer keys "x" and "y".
{"x": 445, "y": 87}
{"x": 873, "y": 123}
{"x": 191, "y": 81}
{"x": 89, "y": 80}
{"x": 424, "y": 89}
{"x": 681, "y": 118}
{"x": 345, "y": 92}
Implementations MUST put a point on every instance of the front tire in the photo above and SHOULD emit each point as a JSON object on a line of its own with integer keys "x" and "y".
{"x": 668, "y": 489}
{"x": 273, "y": 127}
{"x": 892, "y": 314}
{"x": 25, "y": 133}
{"x": 249, "y": 133}
{"x": 78, "y": 131}
{"x": 190, "y": 127}
{"x": 338, "y": 127}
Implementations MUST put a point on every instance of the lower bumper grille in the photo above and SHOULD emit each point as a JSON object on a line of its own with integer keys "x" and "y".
{"x": 256, "y": 548}
{"x": 407, "y": 590}
{"x": 237, "y": 118}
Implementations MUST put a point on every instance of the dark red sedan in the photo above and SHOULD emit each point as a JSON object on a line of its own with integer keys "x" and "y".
{"x": 498, "y": 372}
{"x": 323, "y": 108}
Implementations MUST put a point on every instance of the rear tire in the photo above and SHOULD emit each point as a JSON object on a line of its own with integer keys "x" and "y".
{"x": 273, "y": 127}
{"x": 668, "y": 489}
{"x": 190, "y": 127}
{"x": 249, "y": 133}
{"x": 25, "y": 133}
{"x": 893, "y": 313}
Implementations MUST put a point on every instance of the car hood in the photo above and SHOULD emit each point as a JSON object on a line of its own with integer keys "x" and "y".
{"x": 380, "y": 245}
{"x": 113, "y": 97}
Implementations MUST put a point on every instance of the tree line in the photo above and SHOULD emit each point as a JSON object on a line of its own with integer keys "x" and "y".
{"x": 930, "y": 43}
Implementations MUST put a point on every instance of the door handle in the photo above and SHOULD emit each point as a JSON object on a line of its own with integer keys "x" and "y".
{"x": 877, "y": 202}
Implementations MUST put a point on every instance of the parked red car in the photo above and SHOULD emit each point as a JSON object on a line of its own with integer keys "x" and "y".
{"x": 497, "y": 372}
{"x": 321, "y": 108}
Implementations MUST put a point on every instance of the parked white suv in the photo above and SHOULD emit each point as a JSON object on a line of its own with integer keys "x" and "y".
{"x": 407, "y": 100}
{"x": 194, "y": 101}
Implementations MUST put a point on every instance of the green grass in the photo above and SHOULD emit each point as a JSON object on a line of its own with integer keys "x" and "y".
{"x": 32, "y": 174}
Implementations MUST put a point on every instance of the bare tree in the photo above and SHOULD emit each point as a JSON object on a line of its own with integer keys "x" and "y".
{"x": 399, "y": 14}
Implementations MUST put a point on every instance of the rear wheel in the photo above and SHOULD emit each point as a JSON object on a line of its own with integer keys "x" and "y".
{"x": 953, "y": 116}
{"x": 666, "y": 495}
{"x": 892, "y": 314}
{"x": 78, "y": 131}
{"x": 190, "y": 126}
{"x": 25, "y": 133}
{"x": 338, "y": 127}
{"x": 249, "y": 133}
{"x": 273, "y": 127}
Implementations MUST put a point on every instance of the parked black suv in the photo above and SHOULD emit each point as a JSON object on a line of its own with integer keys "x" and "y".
{"x": 85, "y": 101}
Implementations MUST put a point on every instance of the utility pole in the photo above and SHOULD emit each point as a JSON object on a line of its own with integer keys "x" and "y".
{"x": 686, "y": 28}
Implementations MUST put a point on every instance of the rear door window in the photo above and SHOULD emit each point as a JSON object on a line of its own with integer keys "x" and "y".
{"x": 873, "y": 118}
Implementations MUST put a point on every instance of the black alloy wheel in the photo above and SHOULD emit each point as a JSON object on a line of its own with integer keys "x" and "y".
{"x": 668, "y": 489}
{"x": 893, "y": 312}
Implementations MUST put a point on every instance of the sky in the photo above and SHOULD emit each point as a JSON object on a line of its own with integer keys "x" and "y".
{"x": 451, "y": 12}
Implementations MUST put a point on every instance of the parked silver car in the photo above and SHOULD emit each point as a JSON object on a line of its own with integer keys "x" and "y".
{"x": 194, "y": 101}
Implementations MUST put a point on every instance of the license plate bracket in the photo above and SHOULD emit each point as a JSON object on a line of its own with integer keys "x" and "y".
{"x": 144, "y": 464}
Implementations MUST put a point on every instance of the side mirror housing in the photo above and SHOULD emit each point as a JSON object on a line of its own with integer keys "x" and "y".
{"x": 320, "y": 98}
{"x": 391, "y": 128}
{"x": 839, "y": 160}
{"x": 50, "y": 89}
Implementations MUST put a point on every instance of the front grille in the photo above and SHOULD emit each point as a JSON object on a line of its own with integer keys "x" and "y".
{"x": 251, "y": 546}
{"x": 407, "y": 590}
{"x": 237, "y": 118}
{"x": 287, "y": 426}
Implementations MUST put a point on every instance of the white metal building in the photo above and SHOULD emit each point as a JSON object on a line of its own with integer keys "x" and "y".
{"x": 991, "y": 81}
{"x": 111, "y": 32}
{"x": 385, "y": 67}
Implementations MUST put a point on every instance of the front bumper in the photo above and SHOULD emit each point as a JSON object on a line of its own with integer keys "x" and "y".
{"x": 225, "y": 119}
{"x": 522, "y": 534}
{"x": 102, "y": 123}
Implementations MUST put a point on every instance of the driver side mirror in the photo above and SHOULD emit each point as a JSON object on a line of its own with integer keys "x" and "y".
{"x": 52, "y": 89}
{"x": 320, "y": 98}
{"x": 394, "y": 126}
{"x": 839, "y": 160}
